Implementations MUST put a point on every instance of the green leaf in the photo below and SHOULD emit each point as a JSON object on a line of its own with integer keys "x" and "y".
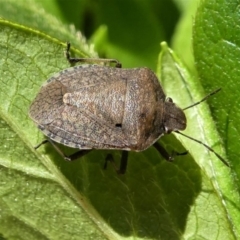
{"x": 44, "y": 197}
{"x": 216, "y": 49}
{"x": 35, "y": 196}
{"x": 186, "y": 90}
{"x": 30, "y": 14}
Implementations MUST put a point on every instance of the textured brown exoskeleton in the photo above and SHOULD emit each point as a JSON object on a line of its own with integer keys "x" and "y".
{"x": 99, "y": 107}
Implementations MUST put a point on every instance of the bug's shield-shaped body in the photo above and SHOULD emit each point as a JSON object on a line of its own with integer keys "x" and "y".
{"x": 97, "y": 107}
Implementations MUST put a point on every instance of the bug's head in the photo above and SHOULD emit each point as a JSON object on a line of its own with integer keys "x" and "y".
{"x": 174, "y": 118}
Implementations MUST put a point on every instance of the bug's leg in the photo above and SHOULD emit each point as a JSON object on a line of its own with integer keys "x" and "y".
{"x": 41, "y": 143}
{"x": 165, "y": 154}
{"x": 109, "y": 158}
{"x": 71, "y": 157}
{"x": 76, "y": 155}
{"x": 90, "y": 60}
{"x": 123, "y": 163}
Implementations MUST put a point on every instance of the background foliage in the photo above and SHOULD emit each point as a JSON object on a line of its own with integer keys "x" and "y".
{"x": 196, "y": 197}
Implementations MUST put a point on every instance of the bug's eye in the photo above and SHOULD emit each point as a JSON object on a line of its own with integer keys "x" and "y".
{"x": 168, "y": 100}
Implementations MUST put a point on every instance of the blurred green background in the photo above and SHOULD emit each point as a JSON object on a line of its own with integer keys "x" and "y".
{"x": 130, "y": 31}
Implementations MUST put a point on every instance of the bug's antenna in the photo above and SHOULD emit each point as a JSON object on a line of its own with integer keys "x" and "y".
{"x": 206, "y": 146}
{"x": 206, "y": 97}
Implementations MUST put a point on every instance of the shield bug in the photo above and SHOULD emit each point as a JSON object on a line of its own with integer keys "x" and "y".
{"x": 102, "y": 107}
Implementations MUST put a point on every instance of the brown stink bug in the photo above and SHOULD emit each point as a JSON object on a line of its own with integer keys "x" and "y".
{"x": 102, "y": 107}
